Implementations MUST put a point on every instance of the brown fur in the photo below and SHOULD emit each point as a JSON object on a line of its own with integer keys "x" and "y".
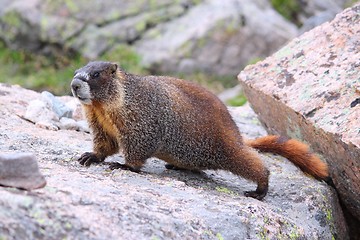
{"x": 105, "y": 130}
{"x": 177, "y": 121}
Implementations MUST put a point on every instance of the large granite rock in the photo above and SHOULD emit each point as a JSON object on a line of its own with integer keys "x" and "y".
{"x": 310, "y": 90}
{"x": 96, "y": 203}
{"x": 90, "y": 28}
{"x": 216, "y": 37}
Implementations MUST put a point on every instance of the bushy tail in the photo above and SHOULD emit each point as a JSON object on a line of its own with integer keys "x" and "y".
{"x": 297, "y": 152}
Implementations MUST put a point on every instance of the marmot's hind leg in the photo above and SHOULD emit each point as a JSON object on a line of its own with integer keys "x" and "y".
{"x": 247, "y": 163}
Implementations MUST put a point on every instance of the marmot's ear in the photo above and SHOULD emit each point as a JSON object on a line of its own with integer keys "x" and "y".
{"x": 113, "y": 67}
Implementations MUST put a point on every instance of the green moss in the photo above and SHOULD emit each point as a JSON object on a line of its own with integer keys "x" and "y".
{"x": 70, "y": 4}
{"x": 226, "y": 191}
{"x": 294, "y": 235}
{"x": 219, "y": 236}
{"x": 12, "y": 19}
{"x": 263, "y": 234}
{"x": 209, "y": 233}
{"x": 239, "y": 100}
{"x": 140, "y": 26}
{"x": 329, "y": 216}
{"x": 39, "y": 216}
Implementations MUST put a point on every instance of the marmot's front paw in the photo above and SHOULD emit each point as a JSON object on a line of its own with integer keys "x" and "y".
{"x": 116, "y": 165}
{"x": 255, "y": 194}
{"x": 87, "y": 158}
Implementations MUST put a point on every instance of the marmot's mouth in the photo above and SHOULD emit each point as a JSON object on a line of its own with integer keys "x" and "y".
{"x": 84, "y": 100}
{"x": 80, "y": 97}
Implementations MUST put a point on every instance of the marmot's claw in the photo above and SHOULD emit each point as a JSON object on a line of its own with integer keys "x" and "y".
{"x": 87, "y": 158}
{"x": 116, "y": 165}
{"x": 255, "y": 194}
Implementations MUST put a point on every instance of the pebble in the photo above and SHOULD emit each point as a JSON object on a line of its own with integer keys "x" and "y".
{"x": 49, "y": 112}
{"x": 38, "y": 111}
{"x": 56, "y": 105}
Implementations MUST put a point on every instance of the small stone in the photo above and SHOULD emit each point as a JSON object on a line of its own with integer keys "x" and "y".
{"x": 20, "y": 170}
{"x": 56, "y": 105}
{"x": 38, "y": 111}
{"x": 68, "y": 124}
{"x": 83, "y": 126}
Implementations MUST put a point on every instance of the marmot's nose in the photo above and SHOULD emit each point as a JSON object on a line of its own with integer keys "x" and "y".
{"x": 75, "y": 84}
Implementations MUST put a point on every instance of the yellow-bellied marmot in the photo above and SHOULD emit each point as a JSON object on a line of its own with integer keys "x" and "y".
{"x": 176, "y": 121}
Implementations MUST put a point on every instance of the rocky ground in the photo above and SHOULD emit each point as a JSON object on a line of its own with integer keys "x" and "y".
{"x": 97, "y": 203}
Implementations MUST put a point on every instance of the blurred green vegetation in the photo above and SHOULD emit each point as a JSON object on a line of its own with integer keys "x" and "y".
{"x": 128, "y": 59}
{"x": 54, "y": 74}
{"x": 350, "y": 3}
{"x": 289, "y": 9}
{"x": 236, "y": 101}
{"x": 38, "y": 72}
{"x": 215, "y": 84}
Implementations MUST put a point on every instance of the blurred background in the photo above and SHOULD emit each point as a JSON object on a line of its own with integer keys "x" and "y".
{"x": 42, "y": 42}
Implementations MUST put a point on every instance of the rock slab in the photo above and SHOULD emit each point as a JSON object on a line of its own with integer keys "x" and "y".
{"x": 97, "y": 203}
{"x": 310, "y": 90}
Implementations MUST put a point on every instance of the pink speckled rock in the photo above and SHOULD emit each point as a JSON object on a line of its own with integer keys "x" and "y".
{"x": 310, "y": 90}
{"x": 98, "y": 203}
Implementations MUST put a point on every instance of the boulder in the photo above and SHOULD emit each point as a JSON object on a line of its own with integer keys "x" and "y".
{"x": 310, "y": 90}
{"x": 97, "y": 203}
{"x": 216, "y": 37}
{"x": 89, "y": 28}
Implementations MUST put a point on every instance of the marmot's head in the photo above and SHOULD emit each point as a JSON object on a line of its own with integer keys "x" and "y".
{"x": 95, "y": 81}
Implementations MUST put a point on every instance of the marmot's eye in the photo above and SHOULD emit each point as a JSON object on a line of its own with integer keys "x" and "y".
{"x": 96, "y": 74}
